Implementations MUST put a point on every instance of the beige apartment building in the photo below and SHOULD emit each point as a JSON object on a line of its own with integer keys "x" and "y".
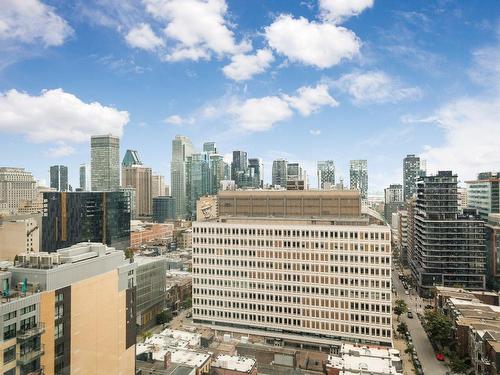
{"x": 319, "y": 275}
{"x": 140, "y": 178}
{"x": 18, "y": 236}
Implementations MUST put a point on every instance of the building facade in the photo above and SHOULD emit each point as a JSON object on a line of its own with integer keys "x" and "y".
{"x": 59, "y": 177}
{"x": 85, "y": 184}
{"x": 139, "y": 177}
{"x": 164, "y": 208}
{"x": 105, "y": 162}
{"x": 239, "y": 168}
{"x": 393, "y": 200}
{"x": 413, "y": 169}
{"x": 16, "y": 185}
{"x": 493, "y": 251}
{"x": 182, "y": 148}
{"x": 358, "y": 176}
{"x": 256, "y": 170}
{"x": 18, "y": 236}
{"x": 157, "y": 186}
{"x": 483, "y": 194}
{"x": 326, "y": 173}
{"x": 449, "y": 249}
{"x": 70, "y": 218}
{"x": 279, "y": 173}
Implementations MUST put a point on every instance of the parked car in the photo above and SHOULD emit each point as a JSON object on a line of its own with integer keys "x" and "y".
{"x": 440, "y": 356}
{"x": 410, "y": 315}
{"x": 407, "y": 292}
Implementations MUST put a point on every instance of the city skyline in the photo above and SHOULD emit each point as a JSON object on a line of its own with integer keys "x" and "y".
{"x": 385, "y": 94}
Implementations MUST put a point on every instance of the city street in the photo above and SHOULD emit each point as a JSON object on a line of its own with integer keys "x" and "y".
{"x": 425, "y": 352}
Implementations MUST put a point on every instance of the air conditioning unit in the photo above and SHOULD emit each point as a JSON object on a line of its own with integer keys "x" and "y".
{"x": 46, "y": 261}
{"x": 34, "y": 260}
{"x": 23, "y": 258}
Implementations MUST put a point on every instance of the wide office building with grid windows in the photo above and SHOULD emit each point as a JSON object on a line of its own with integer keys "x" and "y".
{"x": 315, "y": 279}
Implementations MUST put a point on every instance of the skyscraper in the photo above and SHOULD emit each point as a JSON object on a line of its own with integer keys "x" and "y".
{"x": 448, "y": 249}
{"x": 139, "y": 178}
{"x": 279, "y": 173}
{"x": 326, "y": 173}
{"x": 131, "y": 158}
{"x": 296, "y": 177}
{"x": 239, "y": 167}
{"x": 413, "y": 169}
{"x": 358, "y": 173}
{"x": 182, "y": 148}
{"x": 256, "y": 167}
{"x": 483, "y": 194}
{"x": 163, "y": 209}
{"x": 59, "y": 177}
{"x": 16, "y": 186}
{"x": 105, "y": 162}
{"x": 217, "y": 172}
{"x": 85, "y": 177}
{"x": 158, "y": 186}
{"x": 198, "y": 182}
{"x": 393, "y": 200}
{"x": 210, "y": 148}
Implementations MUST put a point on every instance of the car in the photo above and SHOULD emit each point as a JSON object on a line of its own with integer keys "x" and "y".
{"x": 407, "y": 292}
{"x": 410, "y": 315}
{"x": 440, "y": 356}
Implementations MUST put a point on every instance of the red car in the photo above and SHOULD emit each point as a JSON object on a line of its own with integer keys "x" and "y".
{"x": 440, "y": 357}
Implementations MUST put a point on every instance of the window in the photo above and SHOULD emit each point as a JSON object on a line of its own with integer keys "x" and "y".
{"x": 9, "y": 354}
{"x": 12, "y": 371}
{"x": 59, "y": 331}
{"x": 26, "y": 324}
{"x": 59, "y": 311}
{"x": 9, "y": 331}
{"x": 9, "y": 316}
{"x": 28, "y": 309}
{"x": 59, "y": 297}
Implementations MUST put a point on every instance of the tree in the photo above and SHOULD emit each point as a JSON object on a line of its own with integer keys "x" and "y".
{"x": 188, "y": 303}
{"x": 400, "y": 308}
{"x": 457, "y": 364}
{"x": 438, "y": 326}
{"x": 164, "y": 317}
{"x": 129, "y": 254}
{"x": 402, "y": 328}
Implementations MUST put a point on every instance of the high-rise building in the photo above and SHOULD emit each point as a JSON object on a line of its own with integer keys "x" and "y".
{"x": 130, "y": 193}
{"x": 493, "y": 251}
{"x": 326, "y": 173}
{"x": 239, "y": 167}
{"x": 59, "y": 177}
{"x": 85, "y": 184}
{"x": 483, "y": 194}
{"x": 279, "y": 173}
{"x": 413, "y": 169}
{"x": 53, "y": 301}
{"x": 70, "y": 218}
{"x": 402, "y": 238}
{"x": 157, "y": 185}
{"x": 393, "y": 200}
{"x": 294, "y": 278}
{"x": 217, "y": 172}
{"x": 358, "y": 177}
{"x": 210, "y": 148}
{"x": 139, "y": 177}
{"x": 16, "y": 185}
{"x": 449, "y": 249}
{"x": 182, "y": 148}
{"x": 105, "y": 162}
{"x": 131, "y": 158}
{"x": 198, "y": 181}
{"x": 164, "y": 208}
{"x": 256, "y": 167}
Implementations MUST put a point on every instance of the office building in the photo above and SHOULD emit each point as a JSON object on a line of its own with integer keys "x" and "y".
{"x": 70, "y": 218}
{"x": 85, "y": 184}
{"x": 182, "y": 148}
{"x": 69, "y": 312}
{"x": 402, "y": 237}
{"x": 217, "y": 172}
{"x": 16, "y": 236}
{"x": 209, "y": 148}
{"x": 256, "y": 171}
{"x": 239, "y": 167}
{"x": 463, "y": 201}
{"x": 157, "y": 186}
{"x": 413, "y": 169}
{"x": 393, "y": 200}
{"x": 493, "y": 252}
{"x": 139, "y": 177}
{"x": 131, "y": 158}
{"x": 267, "y": 268}
{"x": 105, "y": 162}
{"x": 483, "y": 194}
{"x": 326, "y": 173}
{"x": 150, "y": 275}
{"x": 16, "y": 185}
{"x": 279, "y": 173}
{"x": 130, "y": 195}
{"x": 198, "y": 181}
{"x": 164, "y": 208}
{"x": 449, "y": 248}
{"x": 296, "y": 177}
{"x": 59, "y": 177}
{"x": 358, "y": 177}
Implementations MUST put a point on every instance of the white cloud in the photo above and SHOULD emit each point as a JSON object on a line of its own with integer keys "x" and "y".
{"x": 322, "y": 45}
{"x": 339, "y": 10}
{"x": 243, "y": 67}
{"x": 315, "y": 132}
{"x": 142, "y": 36}
{"x": 260, "y": 114}
{"x": 57, "y": 116}
{"x": 486, "y": 69}
{"x": 197, "y": 26}
{"x": 31, "y": 21}
{"x": 471, "y": 137}
{"x": 178, "y": 120}
{"x": 375, "y": 87}
{"x": 59, "y": 151}
{"x": 310, "y": 99}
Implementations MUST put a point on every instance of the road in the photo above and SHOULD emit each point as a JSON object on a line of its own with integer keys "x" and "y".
{"x": 425, "y": 352}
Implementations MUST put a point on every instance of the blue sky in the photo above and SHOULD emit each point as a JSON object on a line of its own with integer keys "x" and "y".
{"x": 305, "y": 80}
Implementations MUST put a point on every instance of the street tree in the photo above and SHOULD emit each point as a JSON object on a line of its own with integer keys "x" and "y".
{"x": 400, "y": 307}
{"x": 438, "y": 326}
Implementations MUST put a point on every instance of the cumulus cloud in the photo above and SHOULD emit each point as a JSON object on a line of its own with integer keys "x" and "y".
{"x": 339, "y": 10}
{"x": 59, "y": 151}
{"x": 57, "y": 116}
{"x": 311, "y": 99}
{"x": 198, "y": 27}
{"x": 375, "y": 87}
{"x": 471, "y": 137}
{"x": 322, "y": 45}
{"x": 142, "y": 36}
{"x": 243, "y": 67}
{"x": 260, "y": 114}
{"x": 178, "y": 120}
{"x": 31, "y": 21}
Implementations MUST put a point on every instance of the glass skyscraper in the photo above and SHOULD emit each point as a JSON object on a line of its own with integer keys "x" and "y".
{"x": 59, "y": 177}
{"x": 105, "y": 162}
{"x": 182, "y": 148}
{"x": 326, "y": 173}
{"x": 358, "y": 173}
{"x": 413, "y": 169}
{"x": 279, "y": 172}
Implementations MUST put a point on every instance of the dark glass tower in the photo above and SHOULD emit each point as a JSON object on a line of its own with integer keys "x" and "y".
{"x": 59, "y": 177}
{"x": 70, "y": 218}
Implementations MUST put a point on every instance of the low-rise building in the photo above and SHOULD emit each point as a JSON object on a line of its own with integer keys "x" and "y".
{"x": 142, "y": 233}
{"x": 178, "y": 288}
{"x": 225, "y": 364}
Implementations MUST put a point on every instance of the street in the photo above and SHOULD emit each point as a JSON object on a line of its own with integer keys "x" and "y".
{"x": 425, "y": 352}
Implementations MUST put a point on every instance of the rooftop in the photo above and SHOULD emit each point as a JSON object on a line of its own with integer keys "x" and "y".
{"x": 179, "y": 356}
{"x": 236, "y": 363}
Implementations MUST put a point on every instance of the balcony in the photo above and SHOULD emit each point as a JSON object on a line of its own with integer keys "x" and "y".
{"x": 39, "y": 371}
{"x": 26, "y": 334}
{"x": 28, "y": 357}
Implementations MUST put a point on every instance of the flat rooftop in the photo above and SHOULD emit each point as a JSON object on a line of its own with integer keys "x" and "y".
{"x": 235, "y": 363}
{"x": 179, "y": 356}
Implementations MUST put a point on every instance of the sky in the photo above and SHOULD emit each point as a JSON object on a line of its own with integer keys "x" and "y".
{"x": 302, "y": 80}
